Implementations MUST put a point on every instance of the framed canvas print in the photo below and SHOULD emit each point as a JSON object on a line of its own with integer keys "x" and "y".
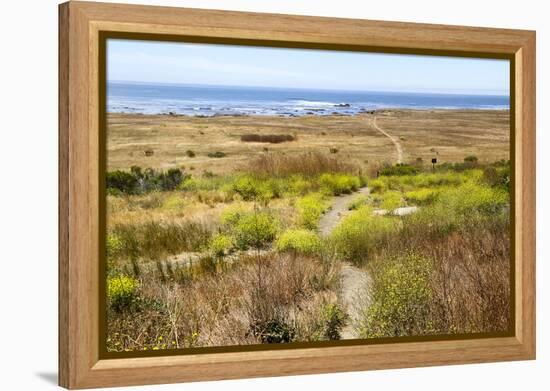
{"x": 247, "y": 195}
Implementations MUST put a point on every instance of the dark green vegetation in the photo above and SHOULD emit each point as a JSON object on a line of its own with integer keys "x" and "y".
{"x": 138, "y": 181}
{"x": 267, "y": 138}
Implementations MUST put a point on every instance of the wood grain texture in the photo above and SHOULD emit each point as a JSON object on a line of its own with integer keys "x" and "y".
{"x": 80, "y": 25}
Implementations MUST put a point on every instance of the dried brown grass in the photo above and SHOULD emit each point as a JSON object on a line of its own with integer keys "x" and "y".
{"x": 307, "y": 164}
{"x": 257, "y": 299}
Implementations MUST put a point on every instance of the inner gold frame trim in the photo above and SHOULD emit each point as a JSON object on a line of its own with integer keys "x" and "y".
{"x": 84, "y": 28}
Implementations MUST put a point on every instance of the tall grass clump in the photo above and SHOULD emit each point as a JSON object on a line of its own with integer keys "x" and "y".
{"x": 400, "y": 298}
{"x": 121, "y": 292}
{"x": 302, "y": 241}
{"x": 250, "y": 228}
{"x": 307, "y": 164}
{"x": 422, "y": 196}
{"x": 252, "y": 188}
{"x": 336, "y": 184}
{"x": 310, "y": 209}
{"x": 153, "y": 240}
{"x": 360, "y": 235}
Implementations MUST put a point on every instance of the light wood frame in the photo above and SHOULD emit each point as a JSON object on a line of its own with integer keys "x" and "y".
{"x": 80, "y": 24}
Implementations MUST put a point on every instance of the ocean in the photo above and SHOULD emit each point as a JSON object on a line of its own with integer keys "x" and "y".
{"x": 204, "y": 100}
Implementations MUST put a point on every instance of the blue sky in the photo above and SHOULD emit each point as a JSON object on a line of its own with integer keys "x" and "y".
{"x": 183, "y": 63}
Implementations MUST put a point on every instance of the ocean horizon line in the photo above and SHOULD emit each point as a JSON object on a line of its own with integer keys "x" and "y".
{"x": 287, "y": 88}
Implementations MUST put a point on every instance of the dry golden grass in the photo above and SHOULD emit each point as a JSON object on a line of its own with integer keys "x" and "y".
{"x": 452, "y": 134}
{"x": 259, "y": 299}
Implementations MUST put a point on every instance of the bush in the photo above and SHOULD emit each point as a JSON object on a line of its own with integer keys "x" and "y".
{"x": 190, "y": 153}
{"x": 378, "y": 186}
{"x": 274, "y": 331}
{"x": 334, "y": 319}
{"x": 471, "y": 197}
{"x": 138, "y": 181}
{"x": 122, "y": 181}
{"x": 422, "y": 196}
{"x": 255, "y": 229}
{"x": 497, "y": 177}
{"x": 337, "y": 184}
{"x": 301, "y": 241}
{"x": 470, "y": 161}
{"x": 400, "y": 298}
{"x": 399, "y": 170}
{"x": 121, "y": 292}
{"x": 250, "y": 188}
{"x": 113, "y": 245}
{"x": 267, "y": 138}
{"x": 310, "y": 208}
{"x": 360, "y": 233}
{"x": 297, "y": 185}
{"x": 232, "y": 214}
{"x": 391, "y": 200}
{"x": 221, "y": 244}
{"x": 217, "y": 154}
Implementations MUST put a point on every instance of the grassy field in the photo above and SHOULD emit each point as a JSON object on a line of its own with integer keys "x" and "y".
{"x": 449, "y": 135}
{"x": 213, "y": 239}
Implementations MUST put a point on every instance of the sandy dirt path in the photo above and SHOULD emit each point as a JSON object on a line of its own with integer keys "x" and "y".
{"x": 394, "y": 140}
{"x": 354, "y": 280}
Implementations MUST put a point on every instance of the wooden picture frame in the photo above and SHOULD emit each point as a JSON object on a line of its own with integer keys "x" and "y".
{"x": 81, "y": 25}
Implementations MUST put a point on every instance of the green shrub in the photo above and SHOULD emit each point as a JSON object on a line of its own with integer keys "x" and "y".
{"x": 217, "y": 154}
{"x": 430, "y": 222}
{"x": 190, "y": 153}
{"x": 221, "y": 244}
{"x": 398, "y": 170}
{"x": 122, "y": 181}
{"x": 422, "y": 196}
{"x": 255, "y": 229}
{"x": 391, "y": 200}
{"x": 337, "y": 184}
{"x": 251, "y": 188}
{"x": 298, "y": 185}
{"x": 334, "y": 319}
{"x": 378, "y": 185}
{"x": 139, "y": 181}
{"x": 472, "y": 197}
{"x": 121, "y": 292}
{"x": 232, "y": 214}
{"x": 113, "y": 245}
{"x": 302, "y": 241}
{"x": 274, "y": 331}
{"x": 400, "y": 298}
{"x": 361, "y": 233}
{"x": 310, "y": 208}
